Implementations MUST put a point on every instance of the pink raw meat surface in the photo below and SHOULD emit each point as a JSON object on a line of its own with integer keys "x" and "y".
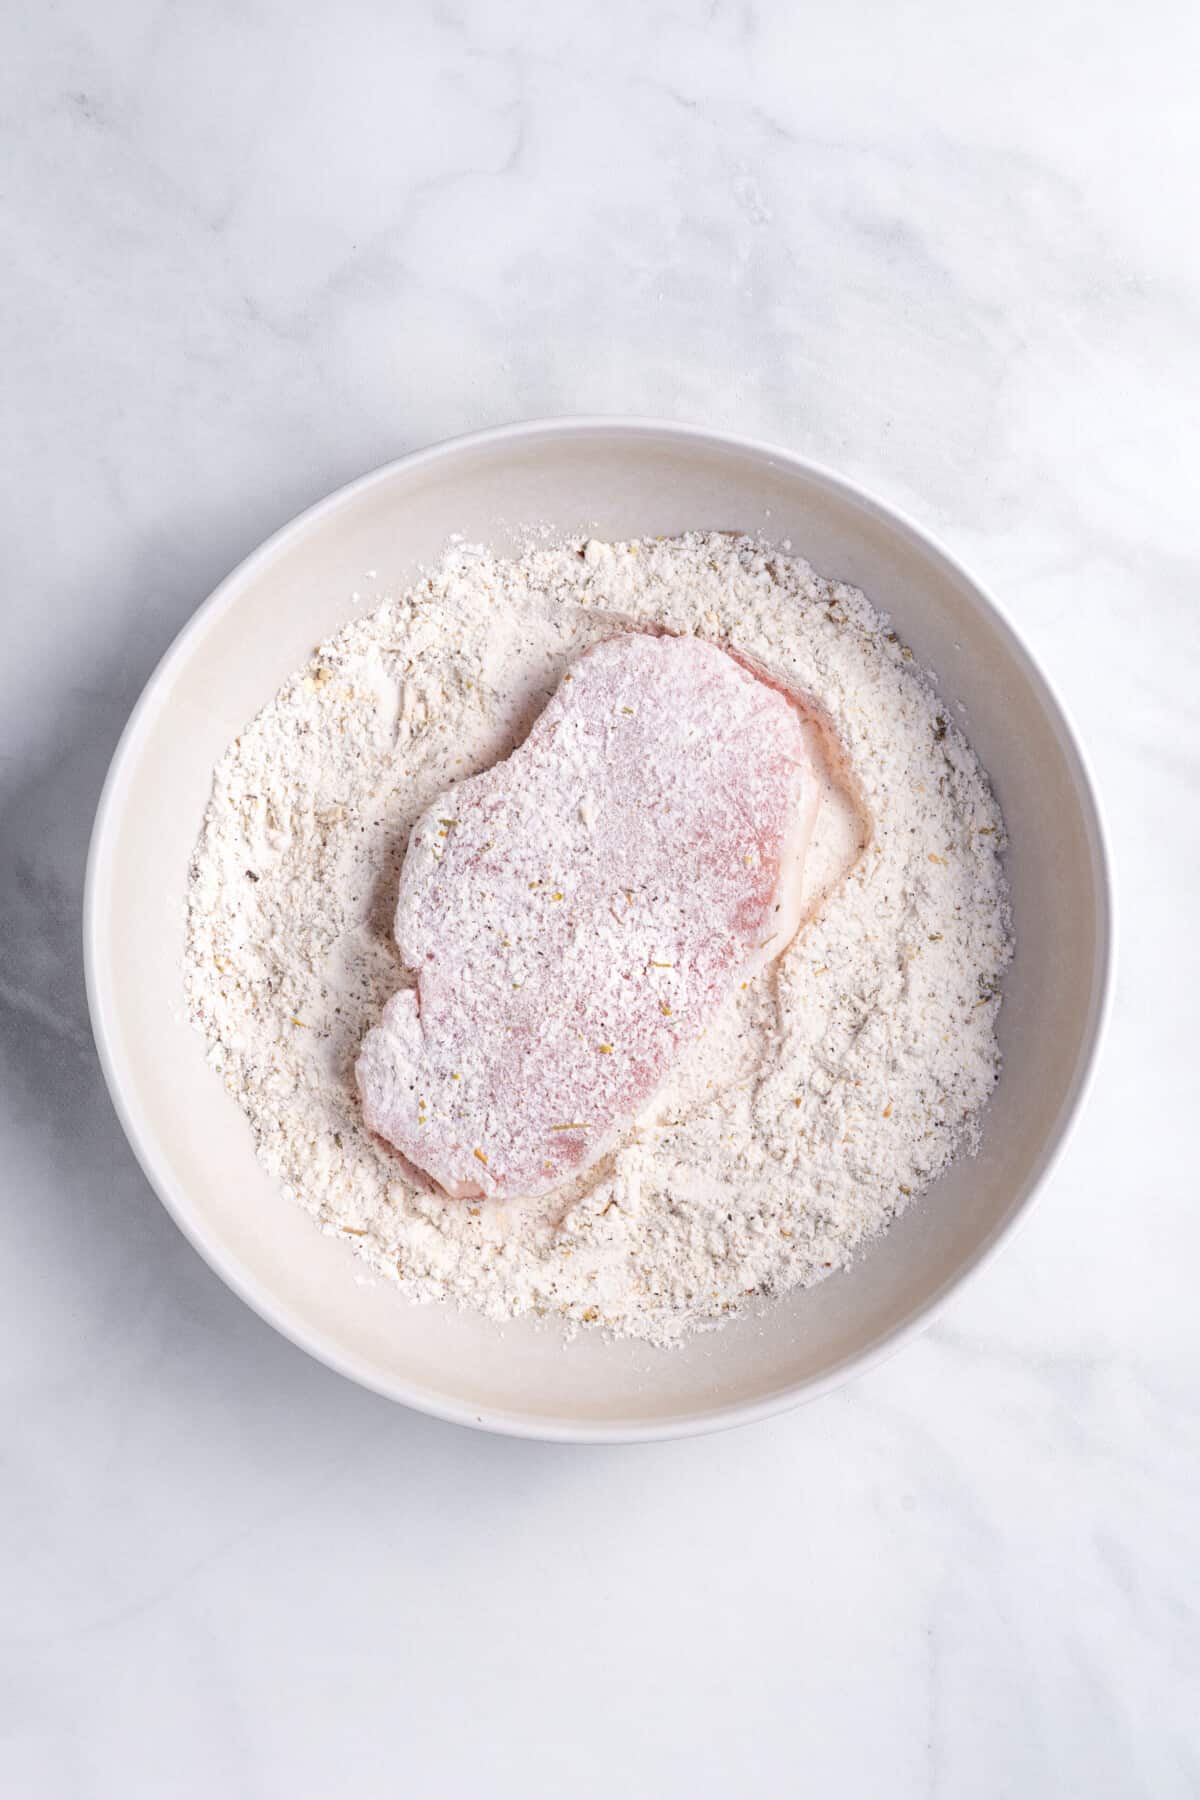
{"x": 576, "y": 914}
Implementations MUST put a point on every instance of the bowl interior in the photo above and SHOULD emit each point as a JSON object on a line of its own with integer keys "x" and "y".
{"x": 615, "y": 480}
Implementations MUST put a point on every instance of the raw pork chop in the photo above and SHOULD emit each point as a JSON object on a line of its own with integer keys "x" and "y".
{"x": 575, "y": 915}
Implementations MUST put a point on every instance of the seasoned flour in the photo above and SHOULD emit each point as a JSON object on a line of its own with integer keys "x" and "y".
{"x": 837, "y": 1083}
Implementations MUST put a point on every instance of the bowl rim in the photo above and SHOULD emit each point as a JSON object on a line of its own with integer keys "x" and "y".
{"x": 173, "y": 1195}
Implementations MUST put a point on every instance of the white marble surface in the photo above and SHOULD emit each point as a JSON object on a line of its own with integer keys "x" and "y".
{"x": 251, "y": 251}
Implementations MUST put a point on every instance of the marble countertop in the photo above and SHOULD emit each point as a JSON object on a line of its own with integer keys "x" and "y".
{"x": 251, "y": 252}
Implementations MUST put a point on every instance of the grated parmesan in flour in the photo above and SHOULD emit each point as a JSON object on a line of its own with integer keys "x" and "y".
{"x": 836, "y": 1084}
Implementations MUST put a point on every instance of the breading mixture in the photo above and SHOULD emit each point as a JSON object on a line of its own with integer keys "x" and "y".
{"x": 831, "y": 1089}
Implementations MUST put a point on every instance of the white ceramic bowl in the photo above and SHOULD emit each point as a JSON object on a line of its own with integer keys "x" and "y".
{"x": 618, "y": 479}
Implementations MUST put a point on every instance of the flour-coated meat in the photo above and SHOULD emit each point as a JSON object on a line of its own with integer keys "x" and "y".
{"x": 575, "y": 915}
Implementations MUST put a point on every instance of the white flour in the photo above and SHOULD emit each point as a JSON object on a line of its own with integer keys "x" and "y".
{"x": 838, "y": 1083}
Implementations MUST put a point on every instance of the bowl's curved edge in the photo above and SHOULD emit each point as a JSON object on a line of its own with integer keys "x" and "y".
{"x": 431, "y": 1402}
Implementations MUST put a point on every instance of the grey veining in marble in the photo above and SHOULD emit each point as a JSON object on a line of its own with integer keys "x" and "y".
{"x": 251, "y": 251}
